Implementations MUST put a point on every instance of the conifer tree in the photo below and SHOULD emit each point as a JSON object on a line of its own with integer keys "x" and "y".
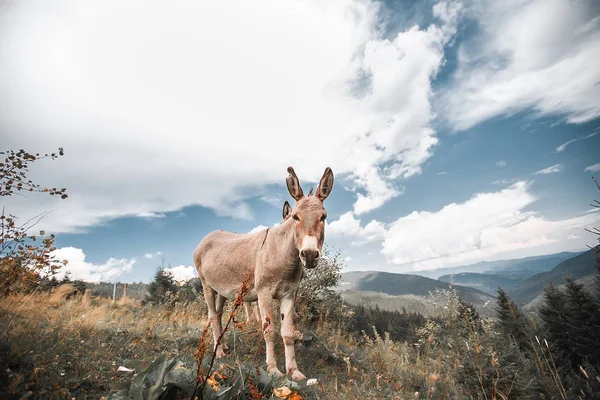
{"x": 584, "y": 324}
{"x": 512, "y": 322}
{"x": 162, "y": 285}
{"x": 555, "y": 316}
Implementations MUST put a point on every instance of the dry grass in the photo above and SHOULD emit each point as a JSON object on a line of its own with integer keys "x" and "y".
{"x": 59, "y": 348}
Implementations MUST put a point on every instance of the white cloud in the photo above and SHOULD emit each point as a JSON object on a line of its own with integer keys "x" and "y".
{"x": 563, "y": 146}
{"x": 487, "y": 226}
{"x": 347, "y": 226}
{"x": 528, "y": 54}
{"x": 503, "y": 181}
{"x": 379, "y": 192}
{"x": 78, "y": 268}
{"x": 550, "y": 170}
{"x": 593, "y": 168}
{"x": 152, "y": 255}
{"x": 501, "y": 163}
{"x": 181, "y": 273}
{"x": 258, "y": 228}
{"x": 196, "y": 105}
{"x": 348, "y": 259}
{"x": 150, "y": 215}
{"x": 276, "y": 201}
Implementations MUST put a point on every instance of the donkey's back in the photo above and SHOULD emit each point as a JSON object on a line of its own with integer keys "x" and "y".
{"x": 224, "y": 259}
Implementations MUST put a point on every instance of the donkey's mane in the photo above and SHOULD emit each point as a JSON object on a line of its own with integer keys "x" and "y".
{"x": 310, "y": 192}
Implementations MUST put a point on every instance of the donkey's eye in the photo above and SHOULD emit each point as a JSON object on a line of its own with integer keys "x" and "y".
{"x": 324, "y": 217}
{"x": 295, "y": 216}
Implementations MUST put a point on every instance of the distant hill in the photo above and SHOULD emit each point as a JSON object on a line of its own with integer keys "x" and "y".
{"x": 527, "y": 266}
{"x": 487, "y": 283}
{"x": 409, "y": 302}
{"x": 588, "y": 282}
{"x": 405, "y": 284}
{"x": 578, "y": 267}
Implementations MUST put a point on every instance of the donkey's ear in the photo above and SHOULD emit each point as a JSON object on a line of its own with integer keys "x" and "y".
{"x": 325, "y": 185}
{"x": 293, "y": 184}
{"x": 287, "y": 210}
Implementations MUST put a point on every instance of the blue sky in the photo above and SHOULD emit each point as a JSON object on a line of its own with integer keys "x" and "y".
{"x": 457, "y": 131}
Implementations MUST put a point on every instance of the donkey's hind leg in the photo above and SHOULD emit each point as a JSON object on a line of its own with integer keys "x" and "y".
{"x": 219, "y": 304}
{"x": 214, "y": 318}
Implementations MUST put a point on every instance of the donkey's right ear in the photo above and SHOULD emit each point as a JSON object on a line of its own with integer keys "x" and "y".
{"x": 293, "y": 184}
{"x": 287, "y": 210}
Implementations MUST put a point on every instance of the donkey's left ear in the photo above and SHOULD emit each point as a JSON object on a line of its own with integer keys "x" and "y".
{"x": 325, "y": 185}
{"x": 293, "y": 185}
{"x": 287, "y": 210}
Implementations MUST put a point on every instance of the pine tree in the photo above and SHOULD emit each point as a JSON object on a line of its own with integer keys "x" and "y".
{"x": 555, "y": 317}
{"x": 512, "y": 322}
{"x": 584, "y": 324}
{"x": 597, "y": 281}
{"x": 162, "y": 285}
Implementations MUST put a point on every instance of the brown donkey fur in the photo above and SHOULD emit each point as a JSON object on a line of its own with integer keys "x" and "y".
{"x": 273, "y": 259}
{"x": 285, "y": 214}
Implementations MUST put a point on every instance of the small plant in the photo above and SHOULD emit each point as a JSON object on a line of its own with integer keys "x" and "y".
{"x": 163, "y": 288}
{"x": 25, "y": 259}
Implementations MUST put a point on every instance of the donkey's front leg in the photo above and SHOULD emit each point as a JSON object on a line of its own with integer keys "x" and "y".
{"x": 265, "y": 305}
{"x": 288, "y": 314}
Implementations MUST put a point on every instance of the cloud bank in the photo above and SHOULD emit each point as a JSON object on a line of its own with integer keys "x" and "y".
{"x": 79, "y": 268}
{"x": 488, "y": 226}
{"x": 155, "y": 113}
{"x": 533, "y": 54}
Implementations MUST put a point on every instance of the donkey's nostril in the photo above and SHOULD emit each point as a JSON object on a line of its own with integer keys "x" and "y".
{"x": 303, "y": 253}
{"x": 318, "y": 254}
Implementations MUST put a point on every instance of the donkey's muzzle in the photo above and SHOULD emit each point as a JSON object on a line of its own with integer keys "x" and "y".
{"x": 310, "y": 258}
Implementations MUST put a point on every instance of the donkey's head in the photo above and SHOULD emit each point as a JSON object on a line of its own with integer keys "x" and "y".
{"x": 309, "y": 216}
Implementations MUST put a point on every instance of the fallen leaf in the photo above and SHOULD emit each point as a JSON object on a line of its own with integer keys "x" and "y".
{"x": 282, "y": 392}
{"x": 214, "y": 385}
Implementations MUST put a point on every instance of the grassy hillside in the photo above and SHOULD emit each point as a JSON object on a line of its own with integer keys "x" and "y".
{"x": 56, "y": 346}
{"x": 578, "y": 267}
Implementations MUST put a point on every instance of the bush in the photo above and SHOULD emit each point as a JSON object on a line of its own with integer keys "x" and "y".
{"x": 189, "y": 291}
{"x": 163, "y": 288}
{"x": 25, "y": 259}
{"x": 317, "y": 298}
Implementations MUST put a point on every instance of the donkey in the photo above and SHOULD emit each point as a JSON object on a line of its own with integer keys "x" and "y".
{"x": 273, "y": 260}
{"x": 285, "y": 214}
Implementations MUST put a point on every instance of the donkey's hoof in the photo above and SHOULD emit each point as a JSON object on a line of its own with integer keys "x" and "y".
{"x": 297, "y": 376}
{"x": 274, "y": 371}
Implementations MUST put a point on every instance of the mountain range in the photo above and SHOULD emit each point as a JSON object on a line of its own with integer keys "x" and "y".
{"x": 523, "y": 279}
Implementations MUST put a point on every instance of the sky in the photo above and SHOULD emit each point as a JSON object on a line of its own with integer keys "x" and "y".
{"x": 457, "y": 131}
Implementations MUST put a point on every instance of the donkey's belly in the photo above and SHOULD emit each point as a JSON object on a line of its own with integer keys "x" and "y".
{"x": 232, "y": 293}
